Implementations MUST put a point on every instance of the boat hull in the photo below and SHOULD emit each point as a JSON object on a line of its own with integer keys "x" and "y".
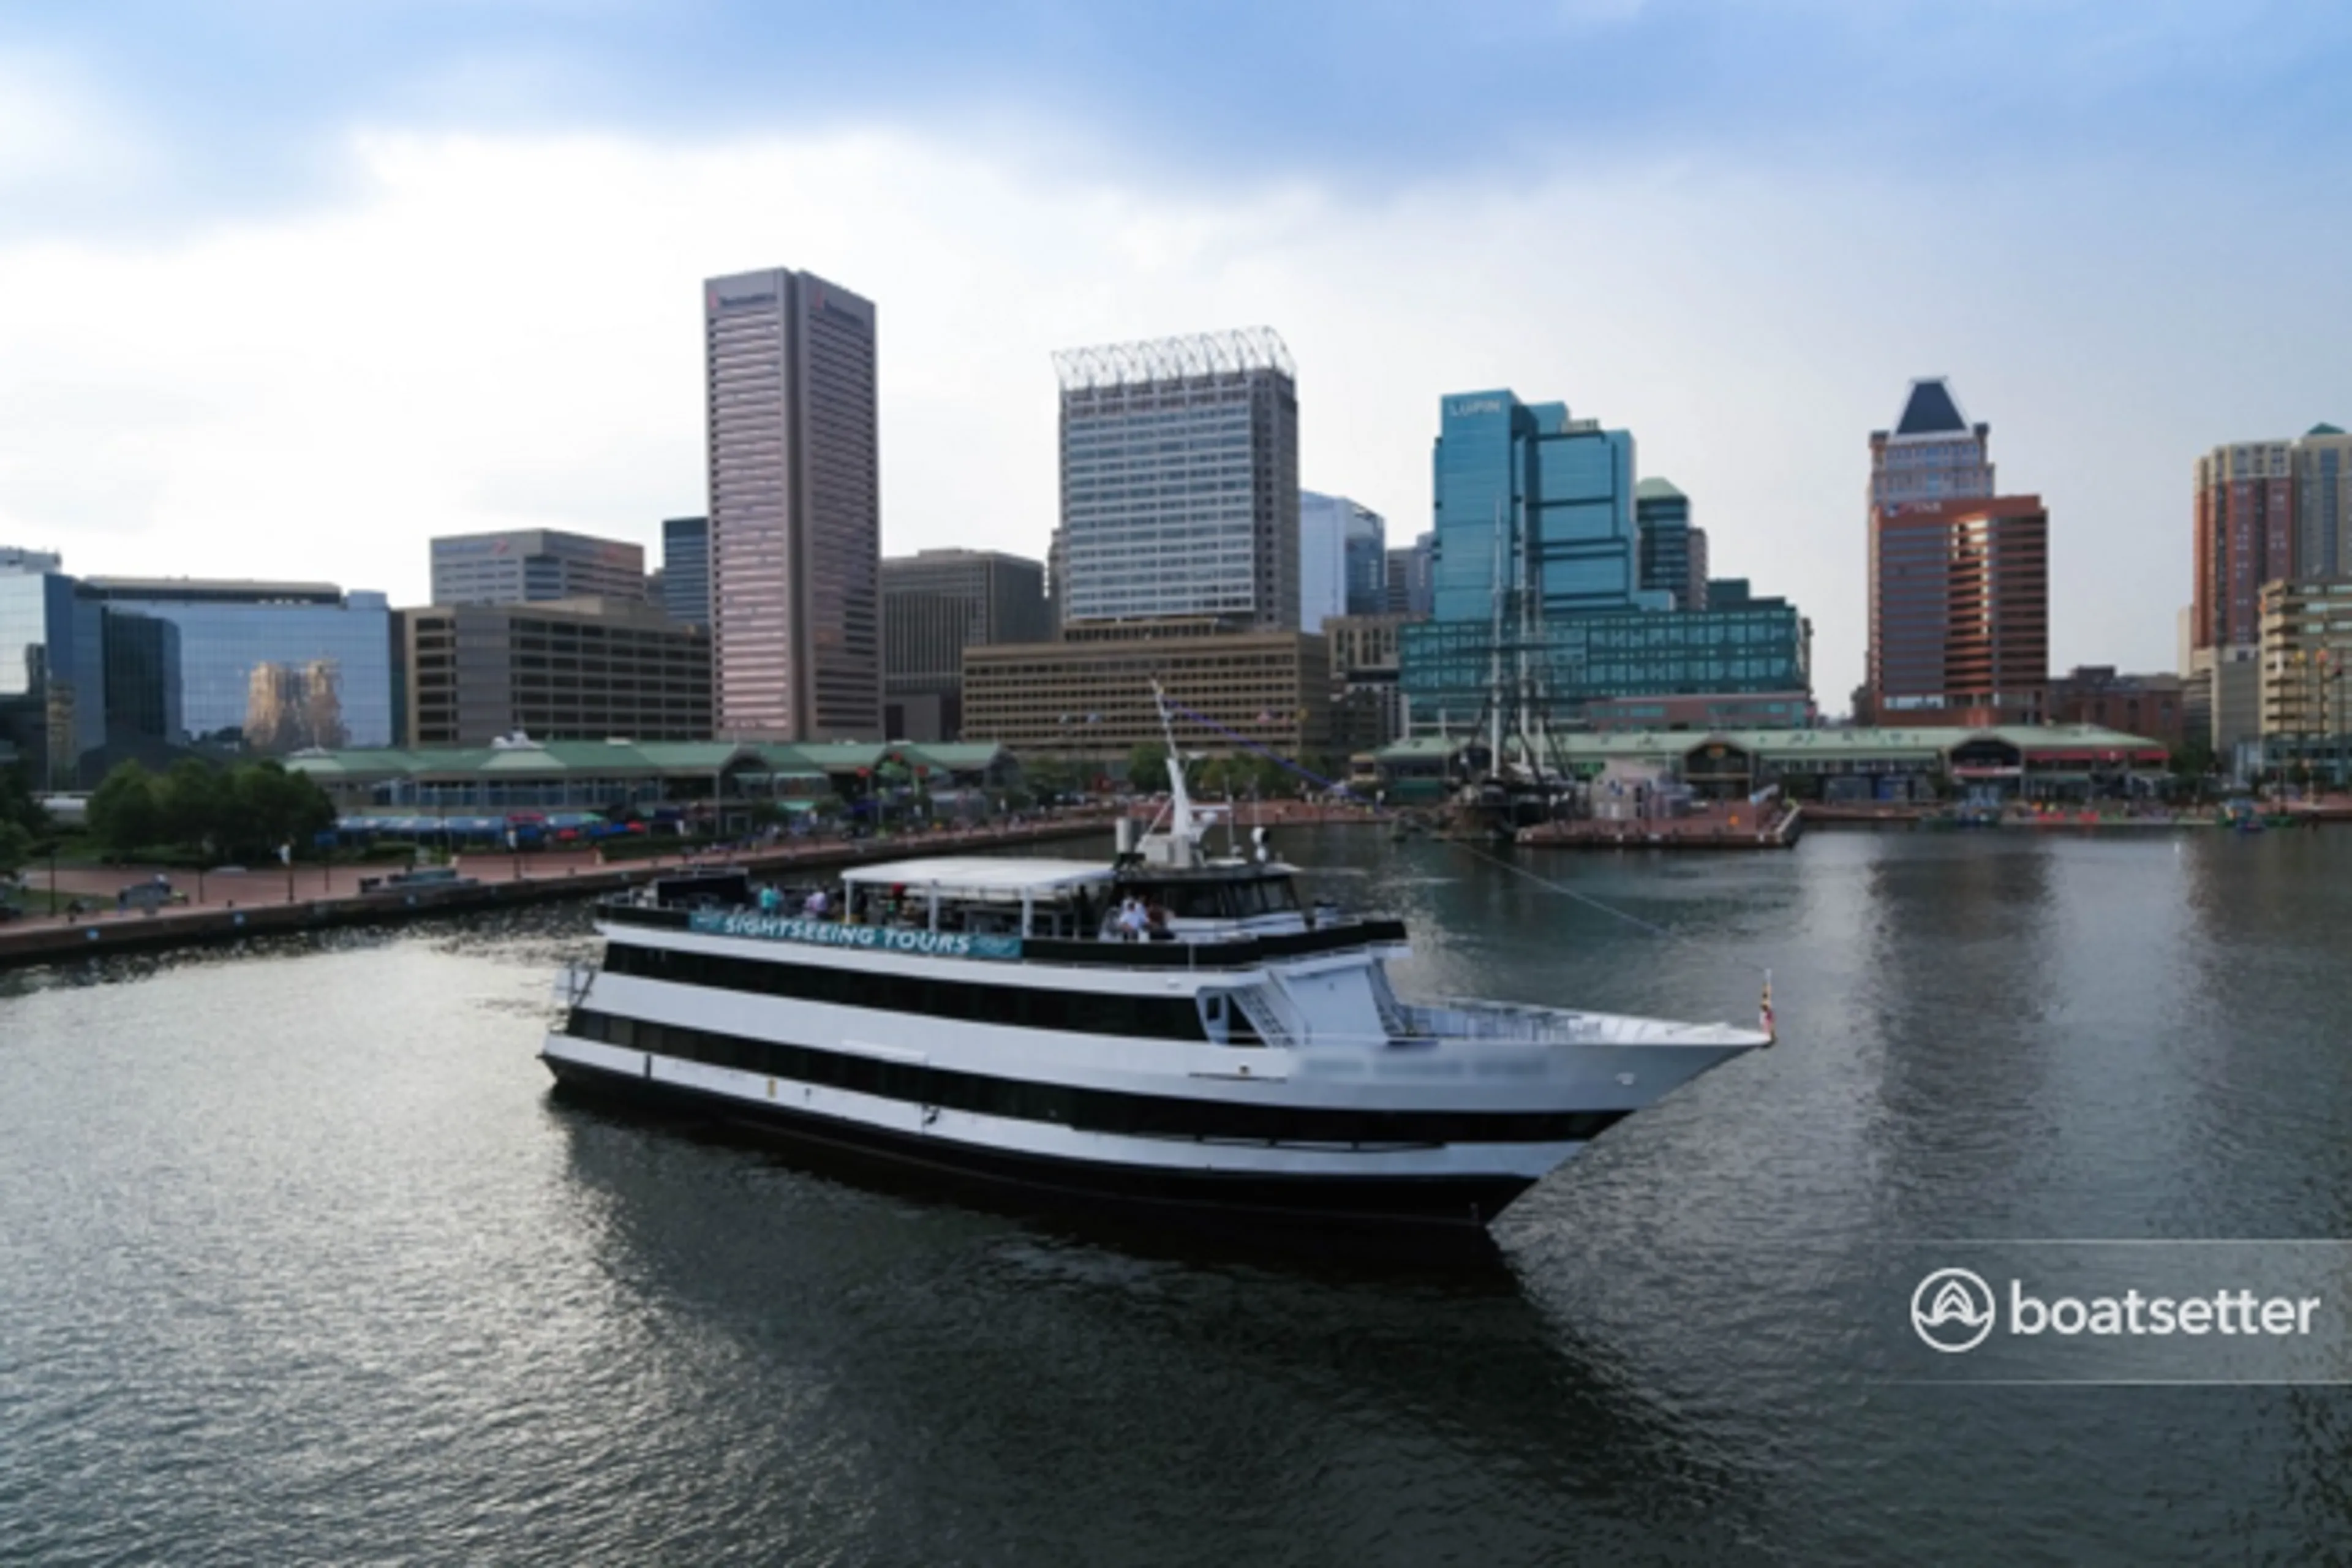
{"x": 1435, "y": 1213}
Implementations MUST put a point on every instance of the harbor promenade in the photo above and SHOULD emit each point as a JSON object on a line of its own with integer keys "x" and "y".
{"x": 233, "y": 904}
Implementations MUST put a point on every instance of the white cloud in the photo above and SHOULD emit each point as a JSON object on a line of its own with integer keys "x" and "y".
{"x": 500, "y": 332}
{"x": 54, "y": 133}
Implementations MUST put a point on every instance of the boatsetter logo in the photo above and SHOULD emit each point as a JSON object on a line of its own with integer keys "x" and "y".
{"x": 1954, "y": 1311}
{"x": 832, "y": 934}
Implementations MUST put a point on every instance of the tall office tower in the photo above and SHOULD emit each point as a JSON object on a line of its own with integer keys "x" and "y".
{"x": 1959, "y": 578}
{"x": 1933, "y": 453}
{"x": 1342, "y": 559}
{"x": 2267, "y": 512}
{"x": 1368, "y": 552}
{"x": 1409, "y": 586}
{"x": 936, "y": 604}
{"x": 1959, "y": 611}
{"x": 1546, "y": 499}
{"x": 1673, "y": 553}
{"x": 530, "y": 565}
{"x": 1179, "y": 481}
{"x": 2323, "y": 503}
{"x": 795, "y": 508}
{"x": 685, "y": 570}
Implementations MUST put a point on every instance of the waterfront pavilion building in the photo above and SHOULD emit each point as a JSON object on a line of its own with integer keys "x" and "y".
{"x": 470, "y": 791}
{"x": 2037, "y": 762}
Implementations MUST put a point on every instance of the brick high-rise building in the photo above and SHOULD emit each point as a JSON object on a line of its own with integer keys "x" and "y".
{"x": 1959, "y": 611}
{"x": 1960, "y": 577}
{"x": 2267, "y": 512}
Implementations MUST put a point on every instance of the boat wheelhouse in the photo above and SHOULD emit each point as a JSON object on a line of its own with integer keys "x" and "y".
{"x": 1170, "y": 1033}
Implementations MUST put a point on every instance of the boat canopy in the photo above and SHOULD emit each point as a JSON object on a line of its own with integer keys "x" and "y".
{"x": 983, "y": 876}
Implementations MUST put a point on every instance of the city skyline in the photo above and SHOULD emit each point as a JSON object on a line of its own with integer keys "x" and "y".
{"x": 520, "y": 216}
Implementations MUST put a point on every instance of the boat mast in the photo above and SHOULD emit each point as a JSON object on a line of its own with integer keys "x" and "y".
{"x": 1184, "y": 833}
{"x": 1495, "y": 660}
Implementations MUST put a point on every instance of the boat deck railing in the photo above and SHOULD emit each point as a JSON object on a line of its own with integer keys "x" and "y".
{"x": 1461, "y": 1018}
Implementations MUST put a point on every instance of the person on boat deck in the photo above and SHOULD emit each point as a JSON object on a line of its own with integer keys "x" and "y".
{"x": 771, "y": 900}
{"x": 1132, "y": 920}
{"x": 1155, "y": 920}
{"x": 817, "y": 905}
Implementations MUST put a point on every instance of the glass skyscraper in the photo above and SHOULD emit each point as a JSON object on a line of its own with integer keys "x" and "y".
{"x": 1547, "y": 498}
{"x": 1673, "y": 552}
{"x": 1754, "y": 646}
{"x": 1342, "y": 559}
{"x": 268, "y": 667}
{"x": 1180, "y": 482}
{"x": 1544, "y": 579}
{"x": 52, "y": 671}
{"x": 685, "y": 570}
{"x": 795, "y": 508}
{"x": 1410, "y": 586}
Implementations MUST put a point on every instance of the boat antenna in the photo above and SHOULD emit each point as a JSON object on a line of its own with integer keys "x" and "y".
{"x": 1180, "y": 825}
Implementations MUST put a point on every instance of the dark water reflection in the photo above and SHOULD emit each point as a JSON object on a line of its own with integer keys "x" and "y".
{"x": 299, "y": 1262}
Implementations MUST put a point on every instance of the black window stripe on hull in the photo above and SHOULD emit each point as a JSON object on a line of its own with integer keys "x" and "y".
{"x": 1086, "y": 1109}
{"x": 979, "y": 1001}
{"x": 1448, "y": 1202}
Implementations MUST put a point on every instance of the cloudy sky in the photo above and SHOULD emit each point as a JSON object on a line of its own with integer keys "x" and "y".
{"x": 286, "y": 288}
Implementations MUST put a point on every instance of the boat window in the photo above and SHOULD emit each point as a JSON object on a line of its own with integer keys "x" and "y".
{"x": 1190, "y": 900}
{"x": 1018, "y": 1007}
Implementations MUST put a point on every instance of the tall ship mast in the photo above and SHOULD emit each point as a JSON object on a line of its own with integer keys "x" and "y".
{"x": 1522, "y": 781}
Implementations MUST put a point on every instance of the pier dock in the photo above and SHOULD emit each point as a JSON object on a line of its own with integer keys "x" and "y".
{"x": 229, "y": 906}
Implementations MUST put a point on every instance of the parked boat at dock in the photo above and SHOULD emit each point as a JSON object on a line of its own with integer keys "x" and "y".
{"x": 1168, "y": 1034}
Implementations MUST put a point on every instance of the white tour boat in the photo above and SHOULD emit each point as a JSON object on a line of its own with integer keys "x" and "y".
{"x": 1241, "y": 1060}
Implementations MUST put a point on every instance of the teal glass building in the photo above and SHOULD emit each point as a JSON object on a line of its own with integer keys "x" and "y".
{"x": 1551, "y": 495}
{"x": 1750, "y": 646}
{"x": 1603, "y": 587}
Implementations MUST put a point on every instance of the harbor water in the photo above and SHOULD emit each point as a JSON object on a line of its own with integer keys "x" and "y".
{"x": 300, "y": 1260}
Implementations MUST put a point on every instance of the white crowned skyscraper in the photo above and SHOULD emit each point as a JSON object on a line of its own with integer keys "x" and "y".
{"x": 1179, "y": 481}
{"x": 795, "y": 508}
